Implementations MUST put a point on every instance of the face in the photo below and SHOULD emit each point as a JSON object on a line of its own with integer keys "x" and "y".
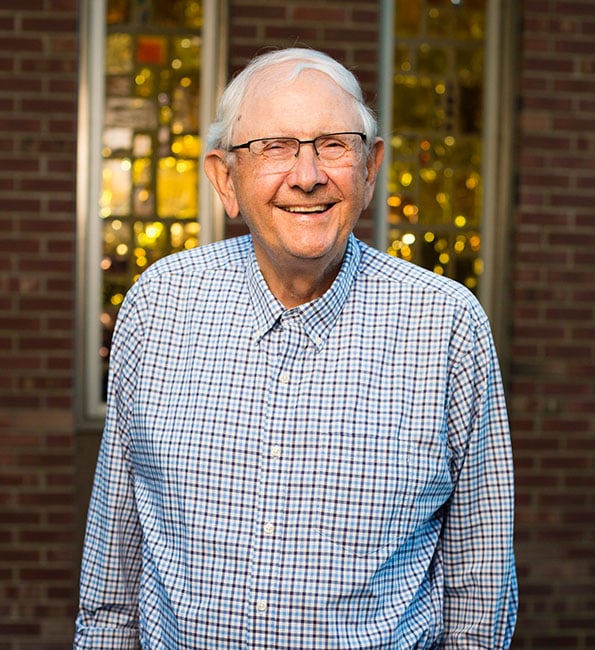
{"x": 299, "y": 219}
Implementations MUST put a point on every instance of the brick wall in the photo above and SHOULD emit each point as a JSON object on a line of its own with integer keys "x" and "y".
{"x": 552, "y": 330}
{"x": 553, "y": 349}
{"x": 38, "y": 85}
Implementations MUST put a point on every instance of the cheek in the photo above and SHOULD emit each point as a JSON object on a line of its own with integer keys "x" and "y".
{"x": 354, "y": 187}
{"x": 257, "y": 188}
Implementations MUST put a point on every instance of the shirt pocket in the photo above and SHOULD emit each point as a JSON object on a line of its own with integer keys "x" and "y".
{"x": 363, "y": 492}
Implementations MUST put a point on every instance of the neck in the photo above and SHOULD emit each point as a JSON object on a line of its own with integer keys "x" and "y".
{"x": 299, "y": 283}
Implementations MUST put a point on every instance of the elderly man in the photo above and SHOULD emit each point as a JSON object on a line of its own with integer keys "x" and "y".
{"x": 306, "y": 443}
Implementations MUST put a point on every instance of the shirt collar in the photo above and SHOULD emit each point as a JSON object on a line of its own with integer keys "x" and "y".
{"x": 318, "y": 316}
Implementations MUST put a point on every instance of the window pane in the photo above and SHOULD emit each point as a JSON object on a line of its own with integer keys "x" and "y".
{"x": 151, "y": 141}
{"x": 435, "y": 180}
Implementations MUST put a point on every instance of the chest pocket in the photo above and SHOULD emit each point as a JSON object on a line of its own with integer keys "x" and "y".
{"x": 373, "y": 491}
{"x": 362, "y": 496}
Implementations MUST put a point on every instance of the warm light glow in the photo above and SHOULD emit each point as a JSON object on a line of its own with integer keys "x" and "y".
{"x": 441, "y": 245}
{"x": 475, "y": 242}
{"x": 154, "y": 230}
{"x": 396, "y": 141}
{"x": 472, "y": 182}
{"x": 428, "y": 175}
{"x": 117, "y": 299}
{"x": 406, "y": 253}
{"x": 411, "y": 211}
{"x": 406, "y": 179}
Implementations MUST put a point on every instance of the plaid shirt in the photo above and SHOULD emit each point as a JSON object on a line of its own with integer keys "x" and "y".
{"x": 337, "y": 475}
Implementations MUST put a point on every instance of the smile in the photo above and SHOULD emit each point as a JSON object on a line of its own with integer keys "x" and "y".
{"x": 307, "y": 209}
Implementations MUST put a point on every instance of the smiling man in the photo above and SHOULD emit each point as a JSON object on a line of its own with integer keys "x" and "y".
{"x": 300, "y": 201}
{"x": 306, "y": 443}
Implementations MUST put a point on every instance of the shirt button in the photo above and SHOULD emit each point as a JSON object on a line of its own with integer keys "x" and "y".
{"x": 261, "y": 605}
{"x": 269, "y": 528}
{"x": 276, "y": 451}
{"x": 284, "y": 377}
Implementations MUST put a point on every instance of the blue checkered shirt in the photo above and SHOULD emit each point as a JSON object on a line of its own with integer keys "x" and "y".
{"x": 337, "y": 475}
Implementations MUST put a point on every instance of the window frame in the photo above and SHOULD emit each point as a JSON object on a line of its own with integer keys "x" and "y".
{"x": 497, "y": 164}
{"x": 89, "y": 405}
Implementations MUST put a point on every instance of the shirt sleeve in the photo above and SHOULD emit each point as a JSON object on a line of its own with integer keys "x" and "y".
{"x": 110, "y": 571}
{"x": 477, "y": 545}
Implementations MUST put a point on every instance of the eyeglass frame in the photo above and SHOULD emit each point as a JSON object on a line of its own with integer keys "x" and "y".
{"x": 246, "y": 145}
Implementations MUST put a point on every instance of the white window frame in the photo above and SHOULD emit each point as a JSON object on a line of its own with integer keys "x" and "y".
{"x": 89, "y": 405}
{"x": 497, "y": 164}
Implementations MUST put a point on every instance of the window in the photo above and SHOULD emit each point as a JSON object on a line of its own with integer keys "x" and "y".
{"x": 446, "y": 116}
{"x": 150, "y": 71}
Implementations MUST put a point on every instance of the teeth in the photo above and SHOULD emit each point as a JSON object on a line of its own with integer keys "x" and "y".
{"x": 306, "y": 209}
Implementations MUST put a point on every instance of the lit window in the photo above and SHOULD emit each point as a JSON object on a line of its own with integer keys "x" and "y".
{"x": 143, "y": 95}
{"x": 445, "y": 114}
{"x": 435, "y": 173}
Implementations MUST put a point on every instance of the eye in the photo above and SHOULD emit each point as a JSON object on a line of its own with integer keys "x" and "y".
{"x": 278, "y": 147}
{"x": 331, "y": 146}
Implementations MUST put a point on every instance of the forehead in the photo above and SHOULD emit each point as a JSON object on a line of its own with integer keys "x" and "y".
{"x": 279, "y": 103}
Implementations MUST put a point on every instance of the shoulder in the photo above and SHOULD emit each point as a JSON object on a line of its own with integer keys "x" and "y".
{"x": 229, "y": 254}
{"x": 180, "y": 278}
{"x": 411, "y": 283}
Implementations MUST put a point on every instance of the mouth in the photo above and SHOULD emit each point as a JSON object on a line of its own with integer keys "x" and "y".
{"x": 306, "y": 209}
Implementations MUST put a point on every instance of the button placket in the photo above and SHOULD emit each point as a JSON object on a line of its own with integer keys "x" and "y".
{"x": 286, "y": 364}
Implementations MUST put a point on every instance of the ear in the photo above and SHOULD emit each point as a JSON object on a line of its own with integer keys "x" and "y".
{"x": 219, "y": 173}
{"x": 373, "y": 162}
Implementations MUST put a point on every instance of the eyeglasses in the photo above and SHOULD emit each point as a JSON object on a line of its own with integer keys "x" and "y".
{"x": 332, "y": 149}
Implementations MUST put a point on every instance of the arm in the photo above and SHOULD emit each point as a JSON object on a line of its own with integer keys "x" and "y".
{"x": 110, "y": 571}
{"x": 480, "y": 600}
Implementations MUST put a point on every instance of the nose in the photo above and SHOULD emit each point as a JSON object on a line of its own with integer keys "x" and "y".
{"x": 307, "y": 172}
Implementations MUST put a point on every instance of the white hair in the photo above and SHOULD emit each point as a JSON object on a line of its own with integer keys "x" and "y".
{"x": 221, "y": 130}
